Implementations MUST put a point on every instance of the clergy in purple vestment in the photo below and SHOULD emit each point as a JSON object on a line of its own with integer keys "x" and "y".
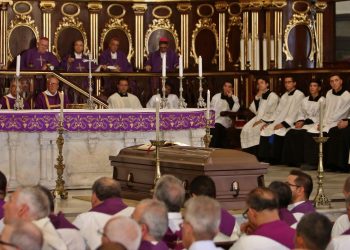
{"x": 152, "y": 216}
{"x": 3, "y": 190}
{"x": 301, "y": 186}
{"x": 8, "y": 101}
{"x": 50, "y": 98}
{"x": 314, "y": 232}
{"x": 39, "y": 58}
{"x": 263, "y": 218}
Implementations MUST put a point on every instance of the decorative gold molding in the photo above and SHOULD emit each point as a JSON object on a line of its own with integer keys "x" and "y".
{"x": 204, "y": 23}
{"x": 139, "y": 8}
{"x": 205, "y": 5}
{"x": 307, "y": 9}
{"x": 279, "y": 4}
{"x": 69, "y": 23}
{"x": 170, "y": 12}
{"x": 47, "y": 6}
{"x": 116, "y": 16}
{"x": 234, "y": 14}
{"x": 298, "y": 19}
{"x": 234, "y": 21}
{"x": 184, "y": 7}
{"x": 20, "y": 21}
{"x": 321, "y": 5}
{"x": 117, "y": 23}
{"x": 161, "y": 24}
{"x": 24, "y": 13}
{"x": 221, "y": 6}
{"x": 67, "y": 14}
{"x": 94, "y": 7}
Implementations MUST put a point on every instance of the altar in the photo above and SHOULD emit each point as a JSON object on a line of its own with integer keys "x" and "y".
{"x": 29, "y": 151}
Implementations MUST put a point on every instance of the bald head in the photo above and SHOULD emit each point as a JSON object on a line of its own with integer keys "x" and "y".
{"x": 105, "y": 188}
{"x": 262, "y": 198}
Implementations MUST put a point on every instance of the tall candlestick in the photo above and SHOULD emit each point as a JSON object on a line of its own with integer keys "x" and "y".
{"x": 242, "y": 56}
{"x": 18, "y": 65}
{"x": 61, "y": 94}
{"x": 208, "y": 105}
{"x": 321, "y": 117}
{"x": 90, "y": 60}
{"x": 157, "y": 119}
{"x": 264, "y": 53}
{"x": 181, "y": 68}
{"x": 164, "y": 65}
{"x": 272, "y": 48}
{"x": 250, "y": 51}
{"x": 200, "y": 69}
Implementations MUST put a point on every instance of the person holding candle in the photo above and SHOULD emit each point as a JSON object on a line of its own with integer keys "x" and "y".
{"x": 50, "y": 98}
{"x": 263, "y": 106}
{"x": 335, "y": 126}
{"x": 221, "y": 102}
{"x": 272, "y": 133}
{"x": 122, "y": 99}
{"x": 308, "y": 115}
{"x": 173, "y": 100}
{"x": 8, "y": 101}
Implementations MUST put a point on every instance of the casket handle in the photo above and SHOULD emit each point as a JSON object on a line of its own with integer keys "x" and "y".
{"x": 235, "y": 188}
{"x": 130, "y": 180}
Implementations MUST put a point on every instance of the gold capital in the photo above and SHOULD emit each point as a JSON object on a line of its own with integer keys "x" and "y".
{"x": 94, "y": 7}
{"x": 47, "y": 6}
{"x": 221, "y": 6}
{"x": 139, "y": 8}
{"x": 184, "y": 7}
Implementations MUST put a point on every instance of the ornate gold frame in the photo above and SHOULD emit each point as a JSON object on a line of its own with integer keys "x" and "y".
{"x": 20, "y": 21}
{"x": 205, "y": 5}
{"x": 162, "y": 7}
{"x": 204, "y": 23}
{"x": 117, "y": 23}
{"x": 234, "y": 21}
{"x": 161, "y": 24}
{"x": 298, "y": 19}
{"x": 72, "y": 23}
{"x": 116, "y": 16}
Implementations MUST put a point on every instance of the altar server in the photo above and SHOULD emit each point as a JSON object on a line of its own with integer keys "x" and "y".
{"x": 201, "y": 223}
{"x": 308, "y": 116}
{"x": 313, "y": 232}
{"x": 122, "y": 99}
{"x": 106, "y": 202}
{"x": 267, "y": 231}
{"x": 31, "y": 204}
{"x": 301, "y": 186}
{"x": 272, "y": 135}
{"x": 173, "y": 100}
{"x": 228, "y": 229}
{"x": 263, "y": 106}
{"x": 170, "y": 190}
{"x": 335, "y": 126}
{"x": 152, "y": 216}
{"x": 50, "y": 98}
{"x": 8, "y": 101}
{"x": 221, "y": 102}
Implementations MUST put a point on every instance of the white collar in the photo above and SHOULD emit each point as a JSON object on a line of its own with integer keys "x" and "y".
{"x": 78, "y": 56}
{"x": 49, "y": 94}
{"x": 203, "y": 244}
{"x": 114, "y": 55}
{"x": 291, "y": 206}
{"x": 175, "y": 219}
{"x": 10, "y": 96}
{"x": 41, "y": 223}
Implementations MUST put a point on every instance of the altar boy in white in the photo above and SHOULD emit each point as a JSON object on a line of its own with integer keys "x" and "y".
{"x": 173, "y": 100}
{"x": 122, "y": 99}
{"x": 263, "y": 106}
{"x": 272, "y": 135}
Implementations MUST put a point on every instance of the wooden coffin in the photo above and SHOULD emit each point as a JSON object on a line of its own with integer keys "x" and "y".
{"x": 235, "y": 173}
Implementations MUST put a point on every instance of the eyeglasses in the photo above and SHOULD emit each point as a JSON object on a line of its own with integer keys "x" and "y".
{"x": 292, "y": 185}
{"x": 8, "y": 244}
{"x": 245, "y": 214}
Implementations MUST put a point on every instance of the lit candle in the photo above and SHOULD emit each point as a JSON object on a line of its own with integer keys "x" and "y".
{"x": 321, "y": 117}
{"x": 200, "y": 69}
{"x": 18, "y": 65}
{"x": 157, "y": 118}
{"x": 242, "y": 53}
{"x": 257, "y": 54}
{"x": 272, "y": 49}
{"x": 208, "y": 104}
{"x": 164, "y": 65}
{"x": 264, "y": 53}
{"x": 62, "y": 103}
{"x": 90, "y": 59}
{"x": 250, "y": 51}
{"x": 181, "y": 67}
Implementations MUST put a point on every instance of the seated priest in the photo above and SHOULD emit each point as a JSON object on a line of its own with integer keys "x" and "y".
{"x": 152, "y": 216}
{"x": 263, "y": 106}
{"x": 301, "y": 185}
{"x": 335, "y": 126}
{"x": 50, "y": 98}
{"x": 308, "y": 116}
{"x": 106, "y": 202}
{"x": 228, "y": 229}
{"x": 284, "y": 117}
{"x": 264, "y": 228}
{"x": 154, "y": 61}
{"x": 122, "y": 99}
{"x": 201, "y": 223}
{"x": 170, "y": 190}
{"x": 221, "y": 102}
{"x": 173, "y": 100}
{"x": 8, "y": 101}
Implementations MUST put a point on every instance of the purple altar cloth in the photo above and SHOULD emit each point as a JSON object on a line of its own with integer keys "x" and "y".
{"x": 110, "y": 121}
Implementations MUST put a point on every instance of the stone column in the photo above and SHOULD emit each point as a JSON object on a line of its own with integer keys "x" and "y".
{"x": 47, "y": 8}
{"x": 221, "y": 7}
{"x": 94, "y": 9}
{"x": 139, "y": 10}
{"x": 184, "y": 9}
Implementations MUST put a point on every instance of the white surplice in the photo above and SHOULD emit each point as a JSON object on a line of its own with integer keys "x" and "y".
{"x": 219, "y": 105}
{"x": 250, "y": 136}
{"x": 72, "y": 238}
{"x": 287, "y": 111}
{"x": 173, "y": 101}
{"x": 116, "y": 101}
{"x": 339, "y": 243}
{"x": 341, "y": 224}
{"x": 236, "y": 232}
{"x": 257, "y": 242}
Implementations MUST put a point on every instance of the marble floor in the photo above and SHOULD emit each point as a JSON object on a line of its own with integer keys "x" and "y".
{"x": 333, "y": 185}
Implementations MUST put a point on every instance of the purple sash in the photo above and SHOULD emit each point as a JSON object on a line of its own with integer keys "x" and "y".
{"x": 2, "y": 203}
{"x": 227, "y": 223}
{"x": 110, "y": 206}
{"x": 306, "y": 207}
{"x": 347, "y": 232}
{"x": 173, "y": 240}
{"x": 146, "y": 245}
{"x": 287, "y": 216}
{"x": 59, "y": 221}
{"x": 278, "y": 231}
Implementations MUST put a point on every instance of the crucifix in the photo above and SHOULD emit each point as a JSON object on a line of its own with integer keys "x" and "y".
{"x": 90, "y": 103}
